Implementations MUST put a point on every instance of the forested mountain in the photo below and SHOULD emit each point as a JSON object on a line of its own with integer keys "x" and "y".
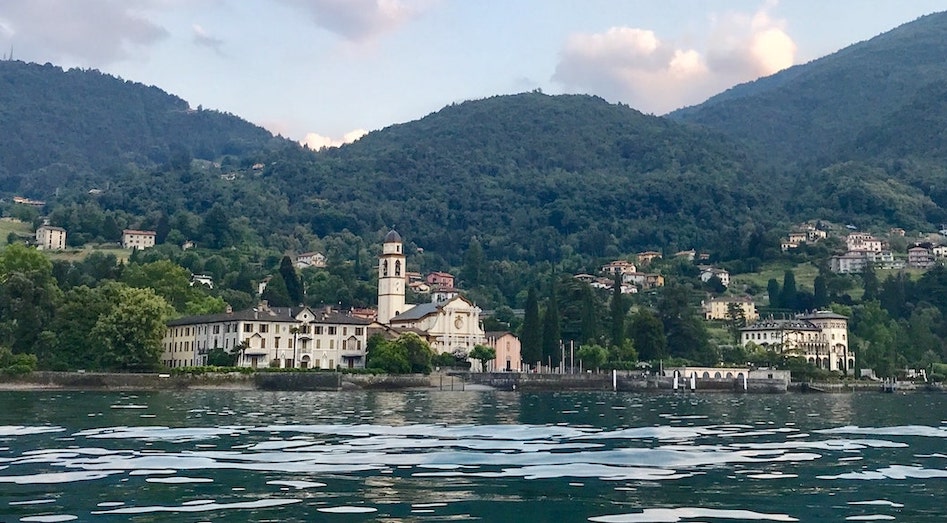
{"x": 538, "y": 177}
{"x": 855, "y": 137}
{"x": 61, "y": 126}
{"x": 815, "y": 111}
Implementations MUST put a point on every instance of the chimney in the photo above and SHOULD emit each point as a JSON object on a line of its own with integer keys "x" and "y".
{"x": 229, "y": 309}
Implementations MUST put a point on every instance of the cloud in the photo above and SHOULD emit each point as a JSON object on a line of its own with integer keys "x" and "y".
{"x": 635, "y": 66}
{"x": 91, "y": 32}
{"x": 361, "y": 20}
{"x": 204, "y": 39}
{"x": 317, "y": 141}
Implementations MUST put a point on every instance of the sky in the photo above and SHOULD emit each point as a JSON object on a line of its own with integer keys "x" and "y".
{"x": 325, "y": 72}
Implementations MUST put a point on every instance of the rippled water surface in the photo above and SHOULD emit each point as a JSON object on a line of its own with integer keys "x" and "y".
{"x": 492, "y": 456}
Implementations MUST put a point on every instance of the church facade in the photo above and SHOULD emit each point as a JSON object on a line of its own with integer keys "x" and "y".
{"x": 451, "y": 325}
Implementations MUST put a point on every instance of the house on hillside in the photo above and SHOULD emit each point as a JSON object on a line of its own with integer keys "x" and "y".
{"x": 442, "y": 280}
{"x": 860, "y": 241}
{"x": 50, "y": 238}
{"x": 706, "y": 273}
{"x": 310, "y": 259}
{"x": 135, "y": 239}
{"x": 719, "y": 308}
{"x": 618, "y": 267}
{"x": 920, "y": 257}
{"x": 646, "y": 257}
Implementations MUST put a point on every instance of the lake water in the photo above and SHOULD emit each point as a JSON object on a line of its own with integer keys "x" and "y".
{"x": 456, "y": 456}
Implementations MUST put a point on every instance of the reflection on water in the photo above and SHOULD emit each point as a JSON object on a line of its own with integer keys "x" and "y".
{"x": 496, "y": 456}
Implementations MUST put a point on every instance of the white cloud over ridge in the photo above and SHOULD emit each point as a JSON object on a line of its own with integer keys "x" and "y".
{"x": 635, "y": 66}
{"x": 91, "y": 32}
{"x": 317, "y": 141}
{"x": 360, "y": 20}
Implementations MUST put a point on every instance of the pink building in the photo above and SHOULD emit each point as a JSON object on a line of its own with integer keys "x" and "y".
{"x": 507, "y": 347}
{"x": 441, "y": 279}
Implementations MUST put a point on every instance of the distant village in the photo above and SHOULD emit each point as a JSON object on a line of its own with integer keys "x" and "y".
{"x": 305, "y": 337}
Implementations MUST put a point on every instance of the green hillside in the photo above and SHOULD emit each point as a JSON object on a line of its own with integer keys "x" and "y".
{"x": 62, "y": 128}
{"x": 813, "y": 112}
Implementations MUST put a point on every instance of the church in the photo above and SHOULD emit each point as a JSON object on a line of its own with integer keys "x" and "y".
{"x": 451, "y": 325}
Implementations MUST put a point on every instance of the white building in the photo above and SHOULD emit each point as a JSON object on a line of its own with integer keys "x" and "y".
{"x": 859, "y": 241}
{"x": 134, "y": 239}
{"x": 450, "y": 325}
{"x": 310, "y": 259}
{"x": 821, "y": 337}
{"x": 706, "y": 273}
{"x": 920, "y": 257}
{"x": 50, "y": 238}
{"x": 300, "y": 337}
{"x": 854, "y": 262}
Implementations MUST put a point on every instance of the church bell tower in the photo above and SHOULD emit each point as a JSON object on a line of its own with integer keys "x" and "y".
{"x": 391, "y": 278}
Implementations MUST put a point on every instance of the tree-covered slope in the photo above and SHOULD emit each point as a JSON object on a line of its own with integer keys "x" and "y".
{"x": 538, "y": 177}
{"x": 57, "y": 124}
{"x": 812, "y": 111}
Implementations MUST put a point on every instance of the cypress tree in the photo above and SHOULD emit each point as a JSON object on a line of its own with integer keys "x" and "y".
{"x": 618, "y": 313}
{"x": 551, "y": 331}
{"x": 294, "y": 286}
{"x": 531, "y": 331}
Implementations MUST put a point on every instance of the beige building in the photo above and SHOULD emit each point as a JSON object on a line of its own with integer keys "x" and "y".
{"x": 50, "y": 238}
{"x": 300, "y": 337}
{"x": 719, "y": 308}
{"x": 134, "y": 239}
{"x": 821, "y": 337}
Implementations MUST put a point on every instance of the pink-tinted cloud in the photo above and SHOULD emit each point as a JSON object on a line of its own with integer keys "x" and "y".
{"x": 636, "y": 66}
{"x": 360, "y": 20}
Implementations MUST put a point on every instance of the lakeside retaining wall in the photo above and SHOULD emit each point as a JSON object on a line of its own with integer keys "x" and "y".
{"x": 623, "y": 382}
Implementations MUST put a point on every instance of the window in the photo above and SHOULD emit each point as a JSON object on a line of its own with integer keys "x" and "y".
{"x": 397, "y": 267}
{"x": 318, "y": 329}
{"x": 318, "y": 344}
{"x": 304, "y": 329}
{"x": 384, "y": 268}
{"x": 331, "y": 331}
{"x": 276, "y": 343}
{"x": 358, "y": 331}
{"x": 216, "y": 329}
{"x": 331, "y": 344}
{"x": 247, "y": 327}
{"x": 262, "y": 343}
{"x": 264, "y": 327}
{"x": 345, "y": 331}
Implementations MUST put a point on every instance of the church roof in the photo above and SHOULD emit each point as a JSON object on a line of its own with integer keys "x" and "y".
{"x": 418, "y": 311}
{"x": 392, "y": 237}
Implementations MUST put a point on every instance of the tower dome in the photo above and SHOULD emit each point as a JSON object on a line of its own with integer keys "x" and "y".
{"x": 393, "y": 237}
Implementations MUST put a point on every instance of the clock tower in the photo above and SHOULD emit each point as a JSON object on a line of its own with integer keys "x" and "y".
{"x": 391, "y": 278}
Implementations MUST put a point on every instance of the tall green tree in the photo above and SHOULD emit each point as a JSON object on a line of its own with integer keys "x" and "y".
{"x": 28, "y": 296}
{"x": 773, "y": 291}
{"x": 870, "y": 283}
{"x": 788, "y": 295}
{"x": 647, "y": 333}
{"x": 294, "y": 286}
{"x": 618, "y": 311}
{"x": 736, "y": 320}
{"x": 276, "y": 294}
{"x": 531, "y": 337}
{"x": 551, "y": 333}
{"x": 128, "y": 337}
{"x": 484, "y": 354}
{"x": 687, "y": 335}
{"x": 474, "y": 264}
